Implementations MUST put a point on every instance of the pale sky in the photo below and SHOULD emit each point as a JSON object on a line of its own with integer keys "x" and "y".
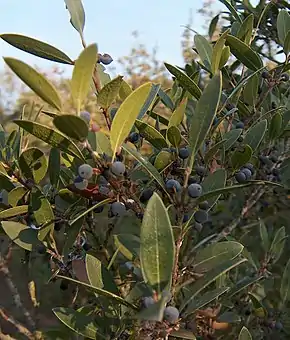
{"x": 108, "y": 23}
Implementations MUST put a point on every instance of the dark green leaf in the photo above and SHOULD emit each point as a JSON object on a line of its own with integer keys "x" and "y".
{"x": 166, "y": 100}
{"x": 36, "y": 47}
{"x": 78, "y": 322}
{"x": 149, "y": 101}
{"x": 157, "y": 245}
{"x": 277, "y": 245}
{"x": 72, "y": 234}
{"x": 82, "y": 74}
{"x": 287, "y": 44}
{"x": 241, "y": 157}
{"x": 146, "y": 165}
{"x": 284, "y": 172}
{"x": 205, "y": 299}
{"x": 151, "y": 135}
{"x": 22, "y": 235}
{"x": 33, "y": 164}
{"x": 212, "y": 26}
{"x": 215, "y": 254}
{"x": 187, "y": 83}
{"x": 5, "y": 182}
{"x": 285, "y": 284}
{"x": 217, "y": 53}
{"x": 264, "y": 236}
{"x": 275, "y": 126}
{"x": 226, "y": 53}
{"x": 204, "y": 50}
{"x": 51, "y": 137}
{"x": 183, "y": 334}
{"x": 214, "y": 181}
{"x": 77, "y": 14}
{"x": 229, "y": 317}
{"x": 231, "y": 137}
{"x": 154, "y": 312}
{"x": 72, "y": 126}
{"x": 283, "y": 25}
{"x": 213, "y": 151}
{"x": 36, "y": 81}
{"x": 128, "y": 245}
{"x": 109, "y": 92}
{"x": 231, "y": 8}
{"x": 255, "y": 134}
{"x": 174, "y": 136}
{"x": 246, "y": 30}
{"x": 15, "y": 211}
{"x": 204, "y": 114}
{"x": 54, "y": 166}
{"x": 16, "y": 194}
{"x": 243, "y": 284}
{"x": 244, "y": 53}
{"x": 209, "y": 278}
{"x": 127, "y": 114}
{"x": 250, "y": 92}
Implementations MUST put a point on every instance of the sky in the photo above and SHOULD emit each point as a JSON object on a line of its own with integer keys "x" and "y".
{"x": 108, "y": 23}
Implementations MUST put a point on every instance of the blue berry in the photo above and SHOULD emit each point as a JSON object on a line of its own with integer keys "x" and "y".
{"x": 279, "y": 325}
{"x": 148, "y": 301}
{"x": 113, "y": 112}
{"x": 200, "y": 170}
{"x": 240, "y": 177}
{"x": 172, "y": 184}
{"x": 85, "y": 171}
{"x": 134, "y": 137}
{"x": 240, "y": 125}
{"x": 192, "y": 180}
{"x": 118, "y": 209}
{"x": 247, "y": 172}
{"x": 86, "y": 116}
{"x": 146, "y": 195}
{"x": 105, "y": 59}
{"x": 250, "y": 166}
{"x": 215, "y": 121}
{"x": 171, "y": 314}
{"x": 87, "y": 247}
{"x": 41, "y": 249}
{"x": 194, "y": 190}
{"x": 118, "y": 168}
{"x": 201, "y": 216}
{"x": 185, "y": 218}
{"x": 80, "y": 183}
{"x": 183, "y": 153}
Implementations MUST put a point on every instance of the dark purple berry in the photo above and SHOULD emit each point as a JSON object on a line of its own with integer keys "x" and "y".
{"x": 240, "y": 125}
{"x": 134, "y": 137}
{"x": 41, "y": 249}
{"x": 241, "y": 177}
{"x": 201, "y": 216}
{"x": 183, "y": 153}
{"x": 194, "y": 190}
{"x": 185, "y": 218}
{"x": 266, "y": 75}
{"x": 87, "y": 247}
{"x": 247, "y": 172}
{"x": 172, "y": 184}
{"x": 146, "y": 195}
{"x": 200, "y": 170}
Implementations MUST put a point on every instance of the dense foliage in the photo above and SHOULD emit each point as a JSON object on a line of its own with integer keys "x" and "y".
{"x": 159, "y": 225}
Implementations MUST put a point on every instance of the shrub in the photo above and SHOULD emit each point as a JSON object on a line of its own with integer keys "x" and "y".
{"x": 187, "y": 241}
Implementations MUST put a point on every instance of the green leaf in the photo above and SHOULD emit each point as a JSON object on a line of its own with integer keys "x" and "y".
{"x": 204, "y": 114}
{"x": 22, "y": 235}
{"x": 250, "y": 93}
{"x": 15, "y": 195}
{"x": 110, "y": 296}
{"x": 183, "y": 334}
{"x": 283, "y": 25}
{"x": 109, "y": 92}
{"x": 128, "y": 245}
{"x": 287, "y": 44}
{"x": 217, "y": 53}
{"x": 212, "y": 26}
{"x": 213, "y": 151}
{"x": 204, "y": 50}
{"x": 284, "y": 172}
{"x": 204, "y": 300}
{"x": 162, "y": 160}
{"x": 72, "y": 126}
{"x": 51, "y": 137}
{"x": 103, "y": 144}
{"x": 153, "y": 136}
{"x": 33, "y": 164}
{"x": 166, "y": 100}
{"x": 77, "y": 14}
{"x": 231, "y": 8}
{"x": 82, "y": 75}
{"x": 215, "y": 254}
{"x": 246, "y": 29}
{"x": 5, "y": 182}
{"x": 146, "y": 165}
{"x": 149, "y": 100}
{"x": 157, "y": 245}
{"x": 255, "y": 134}
{"x": 43, "y": 213}
{"x": 177, "y": 116}
{"x": 285, "y": 284}
{"x": 98, "y": 274}
{"x": 277, "y": 245}
{"x": 15, "y": 211}
{"x": 244, "y": 53}
{"x": 78, "y": 322}
{"x": 226, "y": 53}
{"x": 154, "y": 312}
{"x": 264, "y": 236}
{"x": 258, "y": 306}
{"x": 36, "y": 47}
{"x": 72, "y": 234}
{"x": 35, "y": 81}
{"x": 125, "y": 90}
{"x": 275, "y": 126}
{"x": 187, "y": 83}
{"x": 2, "y": 169}
{"x": 245, "y": 334}
{"x": 229, "y": 317}
{"x": 241, "y": 157}
{"x": 209, "y": 278}
{"x": 231, "y": 137}
{"x": 243, "y": 284}
{"x": 174, "y": 136}
{"x": 127, "y": 114}
{"x": 216, "y": 180}
{"x": 54, "y": 166}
